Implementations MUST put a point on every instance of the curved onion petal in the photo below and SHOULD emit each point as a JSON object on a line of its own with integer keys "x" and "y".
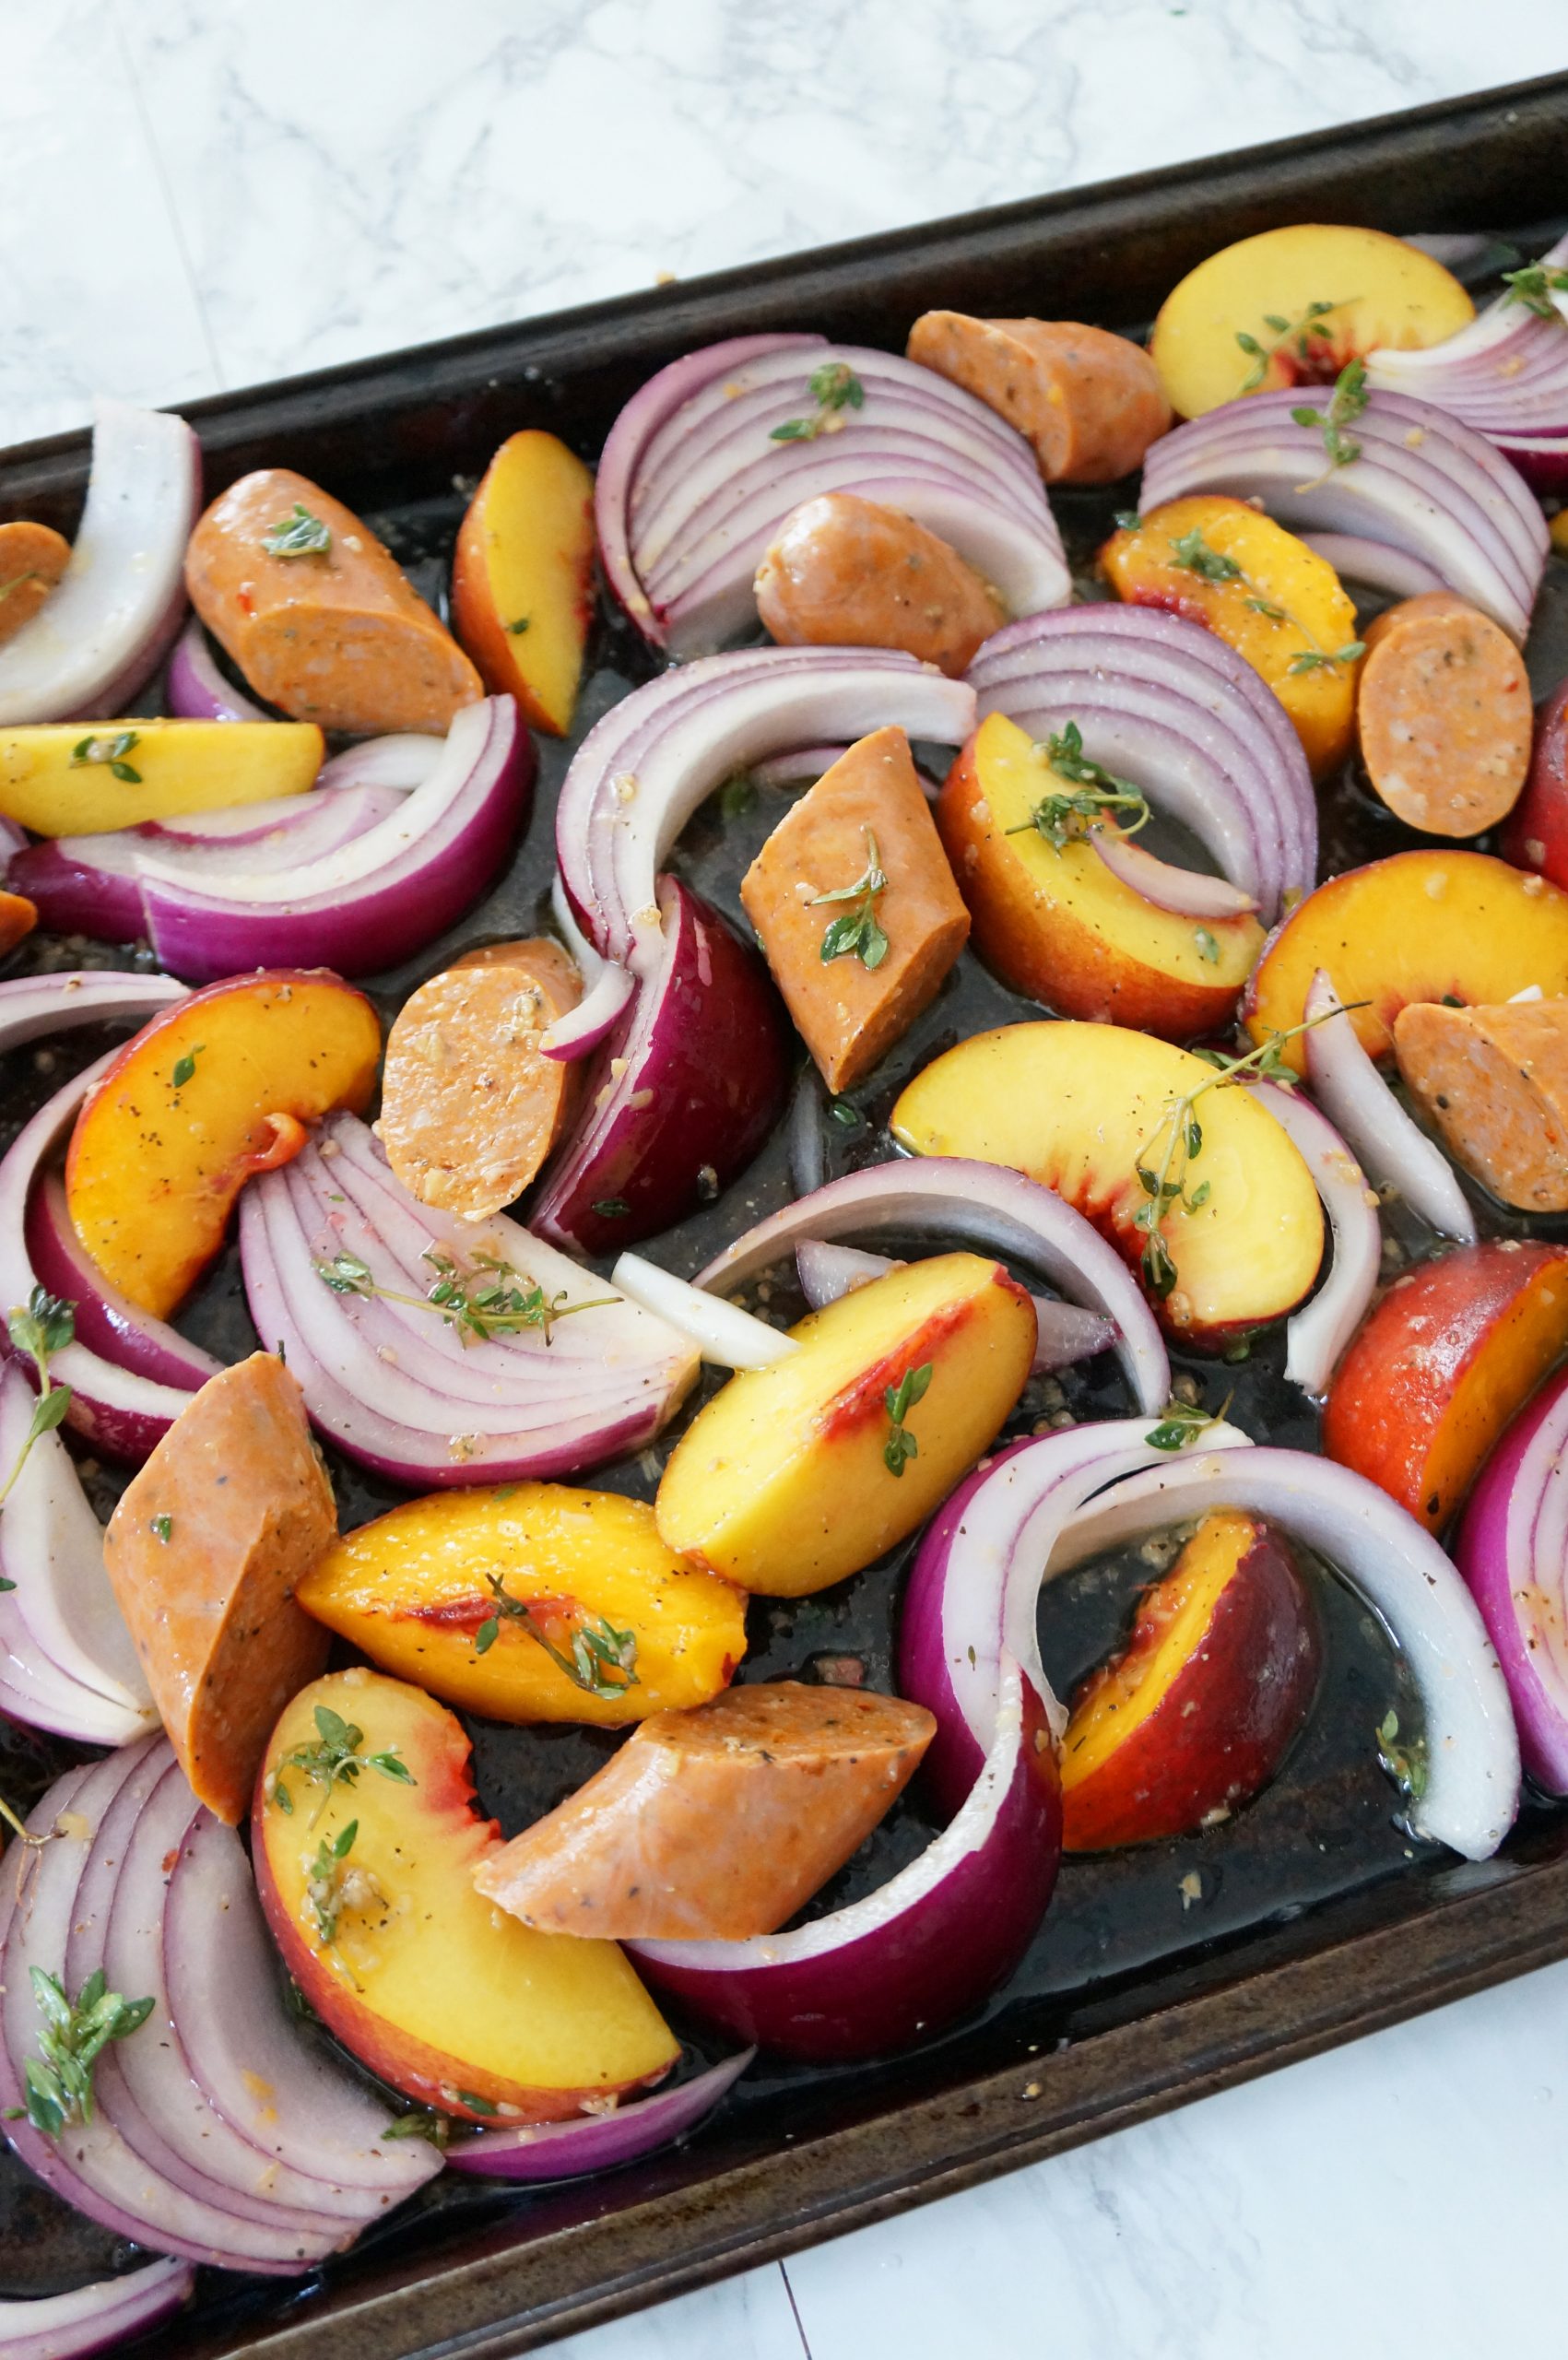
{"x": 198, "y": 689}
{"x": 607, "y": 990}
{"x": 546, "y": 2150}
{"x": 1163, "y": 701}
{"x": 107, "y": 1322}
{"x": 393, "y": 1384}
{"x": 1065, "y": 1333}
{"x": 1472, "y": 1752}
{"x": 1393, "y": 1147}
{"x": 106, "y": 627}
{"x": 1315, "y": 1338}
{"x": 13, "y": 840}
{"x": 1513, "y": 1551}
{"x": 35, "y": 1004}
{"x": 983, "y": 1205}
{"x": 1187, "y": 890}
{"x": 643, "y": 771}
{"x": 94, "y": 2319}
{"x": 722, "y": 1332}
{"x": 1424, "y": 482}
{"x": 119, "y": 1410}
{"x": 373, "y": 901}
{"x": 1355, "y": 559}
{"x": 925, "y": 1947}
{"x": 404, "y": 760}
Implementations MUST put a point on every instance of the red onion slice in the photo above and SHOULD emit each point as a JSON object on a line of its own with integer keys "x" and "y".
{"x": 1355, "y": 559}
{"x": 197, "y": 689}
{"x": 404, "y": 760}
{"x": 1315, "y": 1338}
{"x": 1505, "y": 374}
{"x": 722, "y": 1332}
{"x": 108, "y": 624}
{"x": 546, "y": 2151}
{"x": 1422, "y": 482}
{"x": 35, "y": 1004}
{"x": 644, "y": 770}
{"x": 1513, "y": 1551}
{"x": 93, "y": 2319}
{"x": 374, "y": 900}
{"x": 1472, "y": 1752}
{"x": 1394, "y": 1149}
{"x": 1064, "y": 1332}
{"x": 921, "y": 1951}
{"x": 607, "y": 990}
{"x": 982, "y": 1205}
{"x": 107, "y": 1322}
{"x": 1187, "y": 892}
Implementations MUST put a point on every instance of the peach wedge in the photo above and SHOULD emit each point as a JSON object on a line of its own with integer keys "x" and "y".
{"x": 523, "y": 576}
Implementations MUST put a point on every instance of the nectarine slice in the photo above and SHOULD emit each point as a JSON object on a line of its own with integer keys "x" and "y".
{"x": 1291, "y": 306}
{"x": 367, "y": 1884}
{"x": 32, "y": 558}
{"x": 1454, "y": 925}
{"x": 417, "y": 1589}
{"x": 523, "y": 576}
{"x": 214, "y": 1088}
{"x": 17, "y": 918}
{"x": 1440, "y": 1366}
{"x": 1080, "y": 1107}
{"x": 1222, "y": 563}
{"x": 1053, "y": 923}
{"x": 799, "y": 1474}
{"x": 1194, "y": 1715}
{"x": 75, "y": 778}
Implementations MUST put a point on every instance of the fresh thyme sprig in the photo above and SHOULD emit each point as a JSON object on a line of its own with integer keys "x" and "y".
{"x": 112, "y": 751}
{"x": 1535, "y": 285}
{"x": 301, "y": 534}
{"x": 1261, "y": 354}
{"x": 1061, "y": 819}
{"x": 334, "y": 1760}
{"x": 899, "y": 1401}
{"x": 481, "y": 1303}
{"x": 598, "y": 1649}
{"x": 1183, "y": 1422}
{"x": 834, "y": 387}
{"x": 326, "y": 1879}
{"x": 1407, "y": 1765}
{"x": 1195, "y": 555}
{"x": 1345, "y": 403}
{"x": 857, "y": 934}
{"x": 47, "y": 1325}
{"x": 59, "y": 2079}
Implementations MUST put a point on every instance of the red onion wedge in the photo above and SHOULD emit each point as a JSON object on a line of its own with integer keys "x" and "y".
{"x": 107, "y": 1322}
{"x": 1187, "y": 890}
{"x": 1163, "y": 701}
{"x": 1513, "y": 1551}
{"x": 106, "y": 628}
{"x": 606, "y": 989}
{"x": 1066, "y": 1333}
{"x": 682, "y": 1094}
{"x": 94, "y": 2319}
{"x": 35, "y": 1004}
{"x": 722, "y": 1332}
{"x": 1422, "y": 482}
{"x": 933, "y": 1942}
{"x": 698, "y": 477}
{"x": 643, "y": 771}
{"x": 375, "y": 900}
{"x": 1316, "y": 1337}
{"x": 404, "y": 760}
{"x": 392, "y": 1382}
{"x": 546, "y": 2150}
{"x": 1376, "y": 563}
{"x": 1391, "y": 1144}
{"x": 91, "y": 885}
{"x": 198, "y": 689}
{"x": 982, "y": 1205}
{"x": 1471, "y": 1751}
{"x": 122, "y": 1412}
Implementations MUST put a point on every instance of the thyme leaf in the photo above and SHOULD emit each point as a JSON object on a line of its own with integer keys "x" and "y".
{"x": 301, "y": 534}
{"x": 1346, "y": 404}
{"x": 1182, "y": 1422}
{"x": 1061, "y": 819}
{"x": 857, "y": 934}
{"x": 1313, "y": 659}
{"x": 58, "y": 2080}
{"x": 45, "y": 1326}
{"x": 324, "y": 1881}
{"x": 899, "y": 1401}
{"x": 334, "y": 1759}
{"x": 598, "y": 1649}
{"x": 486, "y": 1300}
{"x": 1300, "y": 330}
{"x": 1535, "y": 285}
{"x": 1195, "y": 555}
{"x": 1408, "y": 1765}
{"x": 834, "y": 387}
{"x": 110, "y": 750}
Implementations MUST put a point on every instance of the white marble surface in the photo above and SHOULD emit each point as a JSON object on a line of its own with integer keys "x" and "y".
{"x": 201, "y": 194}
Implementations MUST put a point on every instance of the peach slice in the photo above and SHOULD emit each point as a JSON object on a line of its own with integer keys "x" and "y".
{"x": 1222, "y": 563}
{"x": 1291, "y": 306}
{"x": 368, "y": 1885}
{"x": 17, "y": 918}
{"x": 32, "y": 558}
{"x": 1443, "y": 1364}
{"x": 1195, "y": 1715}
{"x": 799, "y": 1474}
{"x": 75, "y": 778}
{"x": 1057, "y": 925}
{"x": 1419, "y": 925}
{"x": 523, "y": 576}
{"x": 1080, "y": 1107}
{"x": 416, "y": 1590}
{"x": 214, "y": 1088}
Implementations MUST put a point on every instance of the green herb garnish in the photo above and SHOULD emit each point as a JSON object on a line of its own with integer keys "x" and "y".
{"x": 607, "y": 1209}
{"x": 1346, "y": 402}
{"x": 421, "y": 2122}
{"x": 486, "y": 1300}
{"x": 334, "y": 1760}
{"x": 1208, "y": 947}
{"x": 301, "y": 534}
{"x": 515, "y": 629}
{"x": 1062, "y": 819}
{"x": 112, "y": 751}
{"x": 1261, "y": 354}
{"x": 598, "y": 1649}
{"x": 1183, "y": 1422}
{"x": 185, "y": 1066}
{"x": 857, "y": 935}
{"x": 834, "y": 387}
{"x": 737, "y": 795}
{"x": 1127, "y": 520}
{"x": 1535, "y": 285}
{"x": 899, "y": 1401}
{"x": 59, "y": 2079}
{"x": 1313, "y": 659}
{"x": 324, "y": 1881}
{"x": 1407, "y": 1765}
{"x": 1195, "y": 555}
{"x": 44, "y": 1328}
{"x": 163, "y": 1526}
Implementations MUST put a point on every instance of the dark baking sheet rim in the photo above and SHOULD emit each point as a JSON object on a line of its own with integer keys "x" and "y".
{"x": 1349, "y": 1967}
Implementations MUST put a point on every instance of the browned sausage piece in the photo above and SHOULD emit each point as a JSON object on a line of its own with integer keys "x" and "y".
{"x": 1443, "y": 714}
{"x": 336, "y": 634}
{"x": 32, "y": 558}
{"x": 847, "y": 572}
{"x": 812, "y": 890}
{"x": 1090, "y": 402}
{"x": 1493, "y": 1082}
{"x": 714, "y": 1825}
{"x": 470, "y": 1107}
{"x": 204, "y": 1552}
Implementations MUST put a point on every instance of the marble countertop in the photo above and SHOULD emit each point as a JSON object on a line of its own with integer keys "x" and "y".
{"x": 203, "y": 196}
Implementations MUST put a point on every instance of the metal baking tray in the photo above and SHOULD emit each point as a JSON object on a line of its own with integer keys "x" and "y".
{"x": 1159, "y": 1974}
